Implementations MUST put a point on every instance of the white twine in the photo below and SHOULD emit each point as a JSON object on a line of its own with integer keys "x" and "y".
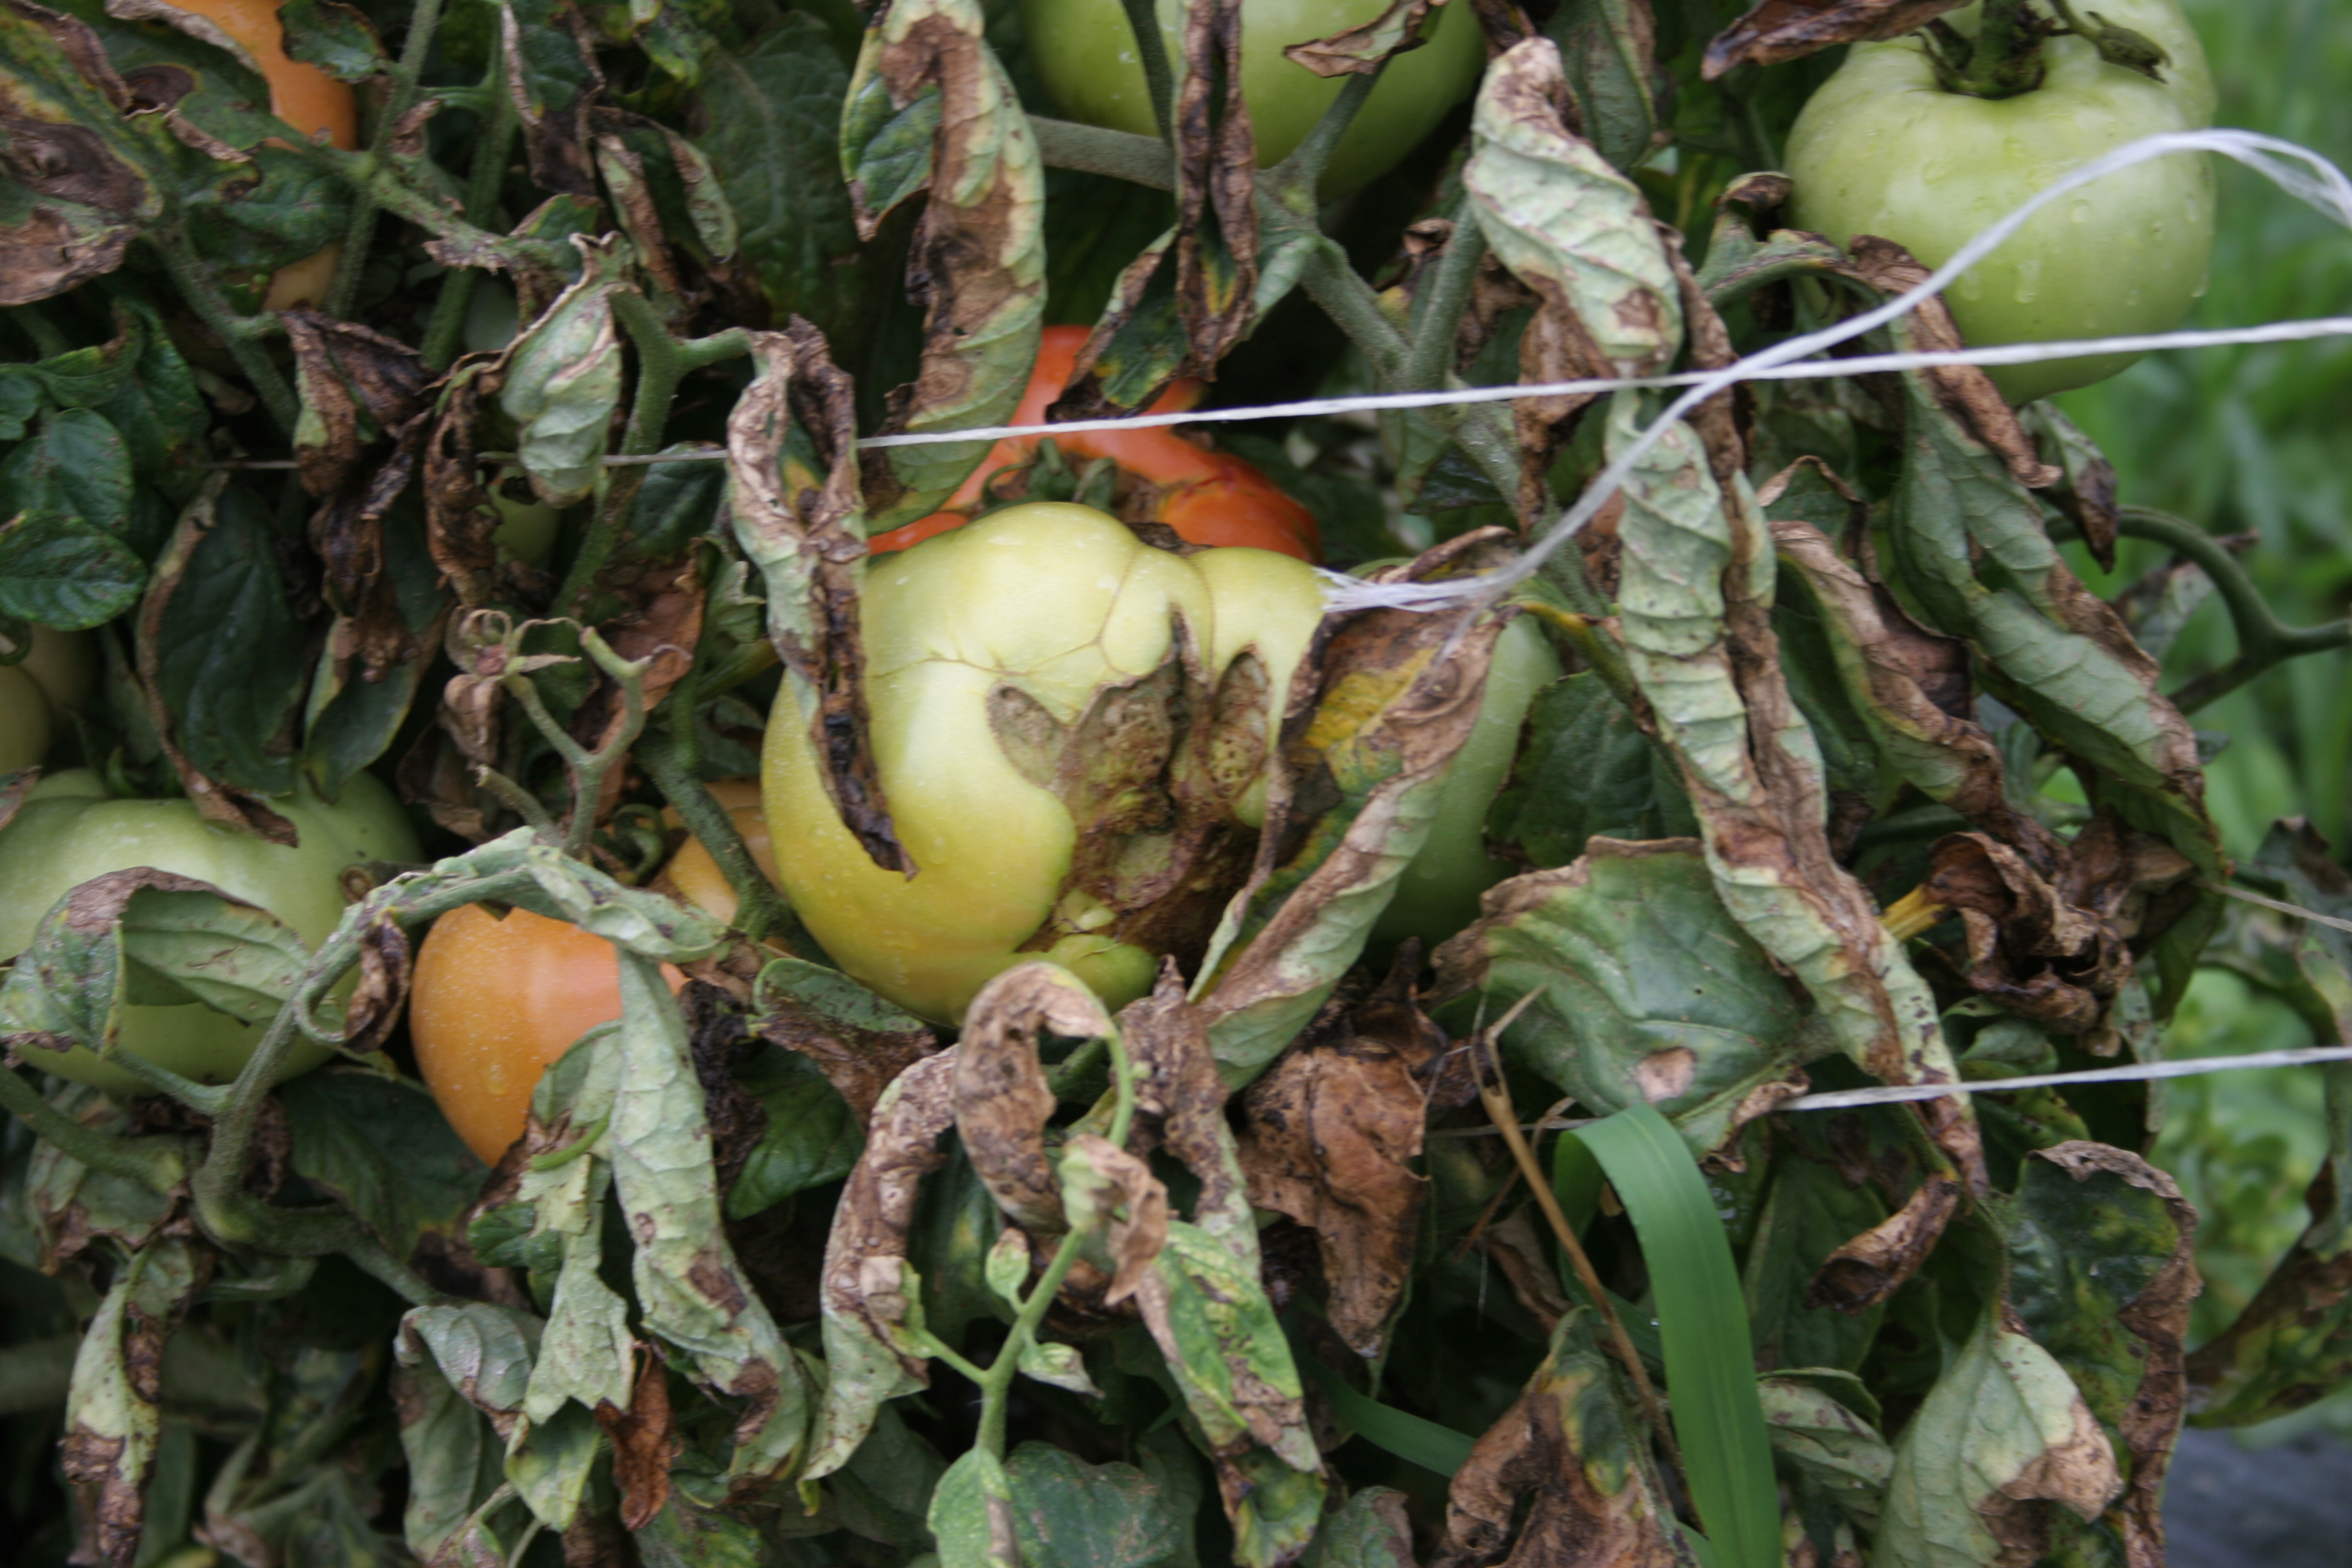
{"x": 2193, "y": 1067}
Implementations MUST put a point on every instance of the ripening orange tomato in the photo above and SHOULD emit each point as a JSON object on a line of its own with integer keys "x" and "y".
{"x": 307, "y": 99}
{"x": 1208, "y": 497}
{"x": 496, "y": 1001}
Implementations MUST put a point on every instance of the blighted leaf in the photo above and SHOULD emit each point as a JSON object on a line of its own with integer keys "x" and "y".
{"x": 971, "y": 1514}
{"x": 2001, "y": 1440}
{"x": 1367, "y": 743}
{"x": 453, "y": 1461}
{"x": 1002, "y": 1102}
{"x": 2087, "y": 492}
{"x": 1110, "y": 1192}
{"x": 868, "y": 1288}
{"x": 1647, "y": 990}
{"x": 1368, "y": 1530}
{"x": 1608, "y": 50}
{"x": 1226, "y": 1351}
{"x": 336, "y": 39}
{"x": 2101, "y": 1275}
{"x": 1823, "y": 1436}
{"x": 1334, "y": 1129}
{"x": 1694, "y": 602}
{"x": 562, "y": 381}
{"x": 1810, "y": 1210}
{"x": 689, "y": 1287}
{"x": 1564, "y": 1477}
{"x": 858, "y": 1041}
{"x": 1067, "y": 1513}
{"x": 793, "y": 492}
{"x": 69, "y": 1206}
{"x": 772, "y": 140}
{"x": 112, "y": 1421}
{"x": 1778, "y": 30}
{"x": 928, "y": 107}
{"x": 1362, "y": 48}
{"x": 552, "y": 76}
{"x": 72, "y": 203}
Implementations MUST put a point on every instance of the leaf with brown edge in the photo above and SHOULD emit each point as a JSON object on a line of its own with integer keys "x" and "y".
{"x": 1875, "y": 1265}
{"x": 1364, "y": 47}
{"x": 1002, "y": 1102}
{"x": 386, "y": 966}
{"x": 114, "y": 1419}
{"x": 1333, "y": 1131}
{"x": 552, "y": 76}
{"x": 643, "y": 1443}
{"x": 1105, "y": 1187}
{"x": 1217, "y": 187}
{"x": 857, "y": 1040}
{"x": 1778, "y": 30}
{"x": 459, "y": 517}
{"x": 869, "y": 1294}
{"x": 1564, "y": 1479}
{"x": 930, "y": 109}
{"x": 793, "y": 492}
{"x": 2086, "y": 490}
{"x": 1375, "y": 718}
{"x": 1180, "y": 1097}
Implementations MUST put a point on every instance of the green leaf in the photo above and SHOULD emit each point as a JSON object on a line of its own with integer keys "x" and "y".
{"x": 552, "y": 76}
{"x": 219, "y": 644}
{"x": 774, "y": 113}
{"x": 1605, "y": 49}
{"x": 2002, "y": 1427}
{"x": 1586, "y": 770}
{"x": 811, "y": 1138}
{"x": 383, "y": 1148}
{"x": 113, "y": 1421}
{"x": 1809, "y": 1211}
{"x": 20, "y": 400}
{"x": 1823, "y": 1436}
{"x": 76, "y": 468}
{"x": 686, "y": 1535}
{"x": 971, "y": 1514}
{"x": 1694, "y": 1291}
{"x": 335, "y": 37}
{"x": 1067, "y": 1513}
{"x": 287, "y": 209}
{"x": 1647, "y": 991}
{"x": 57, "y": 571}
{"x": 161, "y": 416}
{"x": 454, "y": 1463}
{"x": 1369, "y": 1530}
{"x": 563, "y": 382}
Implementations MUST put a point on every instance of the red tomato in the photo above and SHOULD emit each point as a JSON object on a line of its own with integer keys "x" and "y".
{"x": 1208, "y": 497}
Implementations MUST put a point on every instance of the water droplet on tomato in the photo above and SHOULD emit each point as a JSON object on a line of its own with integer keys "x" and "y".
{"x": 2029, "y": 279}
{"x": 2080, "y": 212}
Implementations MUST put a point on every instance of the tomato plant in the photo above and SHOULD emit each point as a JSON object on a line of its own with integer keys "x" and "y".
{"x": 1207, "y": 497}
{"x": 1085, "y": 50}
{"x": 1889, "y": 146}
{"x": 70, "y": 829}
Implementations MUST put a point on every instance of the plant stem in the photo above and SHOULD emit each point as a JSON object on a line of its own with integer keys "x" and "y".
{"x": 1151, "y": 49}
{"x": 670, "y": 761}
{"x": 1303, "y": 169}
{"x": 1062, "y": 144}
{"x": 34, "y": 321}
{"x": 423, "y": 22}
{"x": 662, "y": 363}
{"x": 241, "y": 335}
{"x": 157, "y": 1162}
{"x": 2263, "y": 640}
{"x": 489, "y": 172}
{"x": 1437, "y": 309}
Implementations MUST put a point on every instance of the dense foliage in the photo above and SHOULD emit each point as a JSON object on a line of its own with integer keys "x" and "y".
{"x": 499, "y": 447}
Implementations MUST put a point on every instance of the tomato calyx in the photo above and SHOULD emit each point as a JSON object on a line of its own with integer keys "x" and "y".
{"x": 2004, "y": 57}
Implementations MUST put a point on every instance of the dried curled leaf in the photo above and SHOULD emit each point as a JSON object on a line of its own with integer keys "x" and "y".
{"x": 1001, "y": 1100}
{"x": 1778, "y": 30}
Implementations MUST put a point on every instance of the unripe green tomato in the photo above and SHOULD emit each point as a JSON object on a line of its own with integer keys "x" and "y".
{"x": 527, "y": 524}
{"x": 39, "y": 693}
{"x": 1053, "y": 601}
{"x": 70, "y": 830}
{"x": 1883, "y": 149}
{"x": 1085, "y": 50}
{"x": 1438, "y": 895}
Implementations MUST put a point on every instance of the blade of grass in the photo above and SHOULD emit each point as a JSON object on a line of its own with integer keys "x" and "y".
{"x": 1702, "y": 1322}
{"x": 1416, "y": 1441}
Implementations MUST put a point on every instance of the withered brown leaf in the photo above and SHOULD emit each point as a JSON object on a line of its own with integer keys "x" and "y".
{"x": 1778, "y": 30}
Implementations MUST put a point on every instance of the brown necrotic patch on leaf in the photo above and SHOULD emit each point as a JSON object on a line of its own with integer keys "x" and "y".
{"x": 554, "y": 100}
{"x": 644, "y": 1441}
{"x": 793, "y": 492}
{"x": 1002, "y": 1102}
{"x": 865, "y": 1256}
{"x": 1181, "y": 1098}
{"x": 1107, "y": 1186}
{"x": 1563, "y": 1480}
{"x": 1779, "y": 31}
{"x": 1332, "y": 1130}
{"x": 1364, "y": 47}
{"x": 858, "y": 1056}
{"x": 1875, "y": 1264}
{"x": 386, "y": 964}
{"x": 1217, "y": 188}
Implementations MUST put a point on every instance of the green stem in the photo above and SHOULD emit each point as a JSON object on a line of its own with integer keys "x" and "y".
{"x": 488, "y": 174}
{"x": 1350, "y": 301}
{"x": 160, "y": 1162}
{"x": 1151, "y": 49}
{"x": 2263, "y": 640}
{"x": 1303, "y": 169}
{"x": 662, "y": 363}
{"x": 996, "y": 1385}
{"x": 34, "y": 321}
{"x": 241, "y": 335}
{"x": 423, "y": 22}
{"x": 670, "y": 761}
{"x": 1141, "y": 160}
{"x": 1437, "y": 309}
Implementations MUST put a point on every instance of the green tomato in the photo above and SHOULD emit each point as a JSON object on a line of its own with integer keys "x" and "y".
{"x": 1085, "y": 50}
{"x": 1438, "y": 892}
{"x": 527, "y": 525}
{"x": 1057, "y": 603}
{"x": 39, "y": 693}
{"x": 70, "y": 830}
{"x": 1883, "y": 149}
